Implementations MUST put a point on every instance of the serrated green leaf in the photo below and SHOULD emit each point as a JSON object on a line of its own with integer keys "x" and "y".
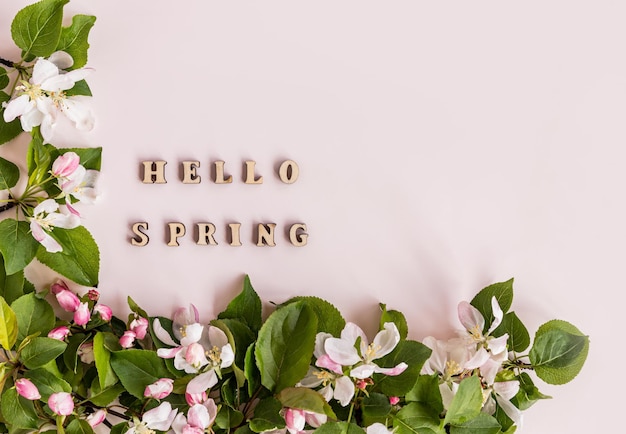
{"x": 40, "y": 351}
{"x": 416, "y": 418}
{"x": 102, "y": 356}
{"x": 18, "y": 411}
{"x": 559, "y": 352}
{"x": 481, "y": 424}
{"x": 47, "y": 383}
{"x": 395, "y": 317}
{"x": 136, "y": 369}
{"x": 519, "y": 339}
{"x": 17, "y": 245}
{"x": 502, "y": 291}
{"x": 8, "y": 131}
{"x": 38, "y": 159}
{"x": 246, "y": 307}
{"x": 33, "y": 315}
{"x": 285, "y": 346}
{"x": 9, "y": 174}
{"x": 426, "y": 391}
{"x": 8, "y": 326}
{"x": 78, "y": 426}
{"x": 329, "y": 319}
{"x": 36, "y": 29}
{"x": 80, "y": 258}
{"x": 251, "y": 371}
{"x": 228, "y": 418}
{"x": 528, "y": 393}
{"x": 414, "y": 354}
{"x": 81, "y": 88}
{"x": 305, "y": 399}
{"x": 267, "y": 416}
{"x": 376, "y": 406}
{"x": 339, "y": 428}
{"x": 11, "y": 285}
{"x": 467, "y": 402}
{"x": 104, "y": 397}
{"x": 74, "y": 39}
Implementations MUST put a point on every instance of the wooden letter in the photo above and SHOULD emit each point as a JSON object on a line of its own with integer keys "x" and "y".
{"x": 289, "y": 172}
{"x": 250, "y": 176}
{"x": 219, "y": 174}
{"x": 189, "y": 172}
{"x": 177, "y": 230}
{"x": 266, "y": 235}
{"x": 235, "y": 239}
{"x": 141, "y": 239}
{"x": 154, "y": 172}
{"x": 298, "y": 239}
{"x": 205, "y": 234}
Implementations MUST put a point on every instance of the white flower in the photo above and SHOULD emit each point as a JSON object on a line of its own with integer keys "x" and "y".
{"x": 474, "y": 323}
{"x": 45, "y": 219}
{"x": 43, "y": 97}
{"x": 199, "y": 418}
{"x": 159, "y": 418}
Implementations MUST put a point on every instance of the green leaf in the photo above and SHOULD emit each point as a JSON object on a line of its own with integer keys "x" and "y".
{"x": 102, "y": 356}
{"x": 416, "y": 418}
{"x": 503, "y": 292}
{"x": 18, "y": 411}
{"x": 375, "y": 406}
{"x": 481, "y": 424}
{"x": 70, "y": 357}
{"x": 246, "y": 307}
{"x": 8, "y": 326}
{"x": 74, "y": 39}
{"x": 426, "y": 391}
{"x": 285, "y": 346}
{"x": 519, "y": 339}
{"x": 38, "y": 159}
{"x": 466, "y": 403}
{"x": 250, "y": 370}
{"x": 120, "y": 428}
{"x": 11, "y": 285}
{"x": 36, "y": 29}
{"x": 528, "y": 393}
{"x": 39, "y": 351}
{"x": 305, "y": 399}
{"x": 80, "y": 258}
{"x": 136, "y": 369}
{"x": 17, "y": 245}
{"x": 79, "y": 426}
{"x": 4, "y": 78}
{"x": 329, "y": 318}
{"x": 80, "y": 88}
{"x": 559, "y": 352}
{"x": 239, "y": 336}
{"x": 395, "y": 317}
{"x": 47, "y": 383}
{"x": 90, "y": 158}
{"x": 414, "y": 354}
{"x": 8, "y": 131}
{"x": 104, "y": 397}
{"x": 9, "y": 174}
{"x": 228, "y": 417}
{"x": 267, "y": 416}
{"x": 33, "y": 315}
{"x": 339, "y": 428}
{"x": 134, "y": 307}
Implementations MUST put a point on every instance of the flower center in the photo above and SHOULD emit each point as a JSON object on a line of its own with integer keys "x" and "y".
{"x": 32, "y": 90}
{"x": 214, "y": 355}
{"x": 370, "y": 353}
{"x": 325, "y": 376}
{"x": 452, "y": 368}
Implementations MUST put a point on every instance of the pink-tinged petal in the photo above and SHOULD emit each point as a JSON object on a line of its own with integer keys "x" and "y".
{"x": 179, "y": 424}
{"x": 160, "y": 418}
{"x": 65, "y": 221}
{"x": 59, "y": 333}
{"x": 396, "y": 370}
{"x": 27, "y": 389}
{"x": 73, "y": 181}
{"x": 50, "y": 244}
{"x": 497, "y": 313}
{"x": 95, "y": 419}
{"x": 168, "y": 353}
{"x": 351, "y": 332}
{"x": 217, "y": 337}
{"x": 68, "y": 301}
{"x": 195, "y": 355}
{"x": 438, "y": 357}
{"x": 470, "y": 317}
{"x": 212, "y": 408}
{"x": 128, "y": 341}
{"x": 198, "y": 416}
{"x": 82, "y": 314}
{"x": 377, "y": 428}
{"x": 85, "y": 352}
{"x": 386, "y": 340}
{"x": 140, "y": 327}
{"x": 489, "y": 370}
{"x": 478, "y": 359}
{"x": 159, "y": 389}
{"x": 61, "y": 403}
{"x": 363, "y": 371}
{"x": 506, "y": 389}
{"x": 58, "y": 286}
{"x": 328, "y": 363}
{"x": 37, "y": 231}
{"x": 393, "y": 400}
{"x": 320, "y": 338}
{"x": 70, "y": 208}
{"x": 295, "y": 420}
{"x": 17, "y": 107}
{"x": 344, "y": 390}
{"x": 227, "y": 356}
{"x": 315, "y": 420}
{"x": 66, "y": 164}
{"x": 195, "y": 398}
{"x": 61, "y": 59}
{"x": 43, "y": 70}
{"x": 498, "y": 345}
{"x": 511, "y": 411}
{"x": 326, "y": 392}
{"x": 104, "y": 311}
{"x": 342, "y": 351}
{"x": 202, "y": 383}
{"x": 163, "y": 335}
{"x": 47, "y": 206}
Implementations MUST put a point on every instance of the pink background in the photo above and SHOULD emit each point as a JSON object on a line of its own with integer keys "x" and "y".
{"x": 443, "y": 146}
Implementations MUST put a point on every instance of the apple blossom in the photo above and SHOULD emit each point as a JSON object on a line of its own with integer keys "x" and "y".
{"x": 61, "y": 403}
{"x": 128, "y": 339}
{"x": 96, "y": 418}
{"x": 27, "y": 389}
{"x": 474, "y": 323}
{"x": 82, "y": 315}
{"x": 199, "y": 418}
{"x": 140, "y": 327}
{"x": 159, "y": 389}
{"x": 159, "y": 418}
{"x": 59, "y": 333}
{"x": 378, "y": 428}
{"x": 68, "y": 301}
{"x": 65, "y": 165}
{"x": 296, "y": 419}
{"x": 45, "y": 219}
{"x": 104, "y": 311}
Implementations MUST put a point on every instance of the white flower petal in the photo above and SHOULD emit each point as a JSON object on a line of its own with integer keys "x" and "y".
{"x": 386, "y": 340}
{"x": 17, "y": 107}
{"x": 202, "y": 382}
{"x": 79, "y": 114}
{"x": 377, "y": 428}
{"x": 498, "y": 345}
{"x": 227, "y": 356}
{"x": 511, "y": 411}
{"x": 342, "y": 351}
{"x": 351, "y": 332}
{"x": 320, "y": 338}
{"x": 163, "y": 335}
{"x": 506, "y": 389}
{"x": 344, "y": 390}
{"x": 61, "y": 59}
{"x": 470, "y": 317}
{"x": 497, "y": 313}
{"x": 43, "y": 70}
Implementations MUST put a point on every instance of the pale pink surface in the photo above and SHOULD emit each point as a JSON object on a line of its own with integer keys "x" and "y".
{"x": 442, "y": 146}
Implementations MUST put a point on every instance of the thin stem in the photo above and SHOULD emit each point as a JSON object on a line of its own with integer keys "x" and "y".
{"x": 8, "y": 206}
{"x": 6, "y": 62}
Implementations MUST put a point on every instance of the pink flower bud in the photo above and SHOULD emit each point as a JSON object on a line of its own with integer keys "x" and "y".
{"x": 65, "y": 165}
{"x": 140, "y": 327}
{"x": 393, "y": 400}
{"x": 95, "y": 419}
{"x": 128, "y": 339}
{"x": 294, "y": 419}
{"x": 195, "y": 355}
{"x": 196, "y": 398}
{"x": 85, "y": 352}
{"x": 93, "y": 295}
{"x": 159, "y": 389}
{"x": 58, "y": 287}
{"x": 27, "y": 389}
{"x": 59, "y": 333}
{"x": 105, "y": 312}
{"x": 67, "y": 300}
{"x": 82, "y": 314}
{"x": 61, "y": 403}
